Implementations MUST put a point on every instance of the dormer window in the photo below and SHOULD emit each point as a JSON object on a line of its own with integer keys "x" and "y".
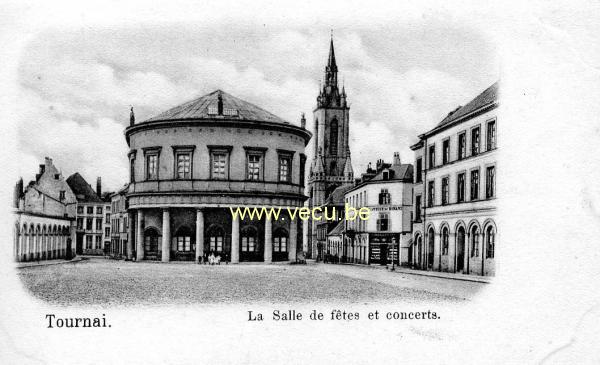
{"x": 56, "y": 176}
{"x": 386, "y": 175}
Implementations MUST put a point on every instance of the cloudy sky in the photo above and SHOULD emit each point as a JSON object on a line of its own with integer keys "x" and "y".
{"x": 76, "y": 85}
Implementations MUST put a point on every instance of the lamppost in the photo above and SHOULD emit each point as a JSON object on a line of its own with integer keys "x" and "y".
{"x": 393, "y": 254}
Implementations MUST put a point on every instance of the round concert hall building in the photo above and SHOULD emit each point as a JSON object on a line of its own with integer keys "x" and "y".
{"x": 192, "y": 163}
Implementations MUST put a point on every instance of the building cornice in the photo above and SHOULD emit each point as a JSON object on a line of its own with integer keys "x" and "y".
{"x": 225, "y": 122}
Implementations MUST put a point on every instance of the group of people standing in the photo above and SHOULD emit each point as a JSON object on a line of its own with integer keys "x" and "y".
{"x": 211, "y": 259}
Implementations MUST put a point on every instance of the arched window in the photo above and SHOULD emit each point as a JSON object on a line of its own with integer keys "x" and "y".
{"x": 151, "y": 238}
{"x": 216, "y": 236}
{"x": 249, "y": 239}
{"x": 333, "y": 137}
{"x": 183, "y": 239}
{"x": 474, "y": 241}
{"x": 490, "y": 242}
{"x": 280, "y": 240}
{"x": 445, "y": 239}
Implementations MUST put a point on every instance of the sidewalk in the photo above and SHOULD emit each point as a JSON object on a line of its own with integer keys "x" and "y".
{"x": 435, "y": 274}
{"x": 21, "y": 265}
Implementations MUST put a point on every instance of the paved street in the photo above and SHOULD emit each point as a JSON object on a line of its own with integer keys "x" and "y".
{"x": 101, "y": 281}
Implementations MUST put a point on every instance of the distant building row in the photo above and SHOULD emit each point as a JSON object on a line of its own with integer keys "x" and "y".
{"x": 58, "y": 218}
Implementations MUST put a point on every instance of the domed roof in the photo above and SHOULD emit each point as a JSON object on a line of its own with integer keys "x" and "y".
{"x": 210, "y": 107}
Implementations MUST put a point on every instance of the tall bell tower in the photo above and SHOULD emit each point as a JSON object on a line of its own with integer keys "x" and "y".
{"x": 331, "y": 165}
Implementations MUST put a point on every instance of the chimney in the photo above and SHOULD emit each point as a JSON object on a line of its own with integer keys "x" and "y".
{"x": 396, "y": 159}
{"x": 99, "y": 187}
{"x": 18, "y": 193}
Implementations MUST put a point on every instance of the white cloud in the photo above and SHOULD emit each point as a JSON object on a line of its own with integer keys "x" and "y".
{"x": 76, "y": 99}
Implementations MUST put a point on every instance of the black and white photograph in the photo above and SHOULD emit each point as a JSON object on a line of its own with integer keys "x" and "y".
{"x": 227, "y": 183}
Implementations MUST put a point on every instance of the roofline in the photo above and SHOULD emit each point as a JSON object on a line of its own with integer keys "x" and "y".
{"x": 364, "y": 183}
{"x": 484, "y": 108}
{"x": 221, "y": 122}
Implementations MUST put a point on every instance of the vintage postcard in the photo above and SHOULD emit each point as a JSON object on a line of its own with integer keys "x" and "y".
{"x": 228, "y": 183}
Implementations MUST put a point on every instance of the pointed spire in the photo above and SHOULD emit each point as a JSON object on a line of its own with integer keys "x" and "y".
{"x": 331, "y": 65}
{"x": 348, "y": 171}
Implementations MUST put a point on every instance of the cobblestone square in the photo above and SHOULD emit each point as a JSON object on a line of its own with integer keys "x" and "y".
{"x": 110, "y": 282}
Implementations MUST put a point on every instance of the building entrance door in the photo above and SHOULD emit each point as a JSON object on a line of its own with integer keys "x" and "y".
{"x": 79, "y": 243}
{"x": 460, "y": 250}
{"x": 383, "y": 255}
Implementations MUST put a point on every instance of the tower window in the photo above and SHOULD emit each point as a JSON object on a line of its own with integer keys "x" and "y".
{"x": 333, "y": 137}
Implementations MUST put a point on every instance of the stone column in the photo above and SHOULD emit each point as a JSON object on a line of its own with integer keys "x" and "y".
{"x": 130, "y": 235}
{"x": 199, "y": 234}
{"x": 268, "y": 254}
{"x": 166, "y": 235}
{"x": 235, "y": 240}
{"x": 139, "y": 241}
{"x": 293, "y": 240}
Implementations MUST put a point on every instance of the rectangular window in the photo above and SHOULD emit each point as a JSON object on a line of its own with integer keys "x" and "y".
{"x": 61, "y": 195}
{"x": 79, "y": 223}
{"x": 132, "y": 170}
{"x": 216, "y": 243}
{"x": 383, "y": 222}
{"x": 462, "y": 145}
{"x": 384, "y": 197}
{"x": 430, "y": 194}
{"x": 184, "y": 165}
{"x": 152, "y": 167}
{"x": 431, "y": 156}
{"x": 254, "y": 162}
{"x": 419, "y": 177}
{"x": 474, "y": 184}
{"x": 460, "y": 191}
{"x": 184, "y": 243}
{"x": 88, "y": 242}
{"x": 90, "y": 210}
{"x": 490, "y": 182}
{"x": 219, "y": 165}
{"x": 248, "y": 244}
{"x": 280, "y": 244}
{"x": 445, "y": 191}
{"x": 491, "y": 135}
{"x": 107, "y": 231}
{"x": 80, "y": 210}
{"x": 446, "y": 151}
{"x": 107, "y": 218}
{"x": 98, "y": 224}
{"x": 418, "y": 207}
{"x": 98, "y": 242}
{"x": 99, "y": 210}
{"x": 89, "y": 224}
{"x": 285, "y": 168}
{"x": 302, "y": 169}
{"x": 475, "y": 141}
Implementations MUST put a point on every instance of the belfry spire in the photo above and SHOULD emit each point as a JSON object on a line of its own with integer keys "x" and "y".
{"x": 331, "y": 65}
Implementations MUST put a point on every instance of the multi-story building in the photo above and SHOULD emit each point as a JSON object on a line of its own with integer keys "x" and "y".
{"x": 329, "y": 217}
{"x": 331, "y": 166}
{"x": 192, "y": 163}
{"x": 44, "y": 216}
{"x": 385, "y": 236}
{"x": 91, "y": 216}
{"x": 454, "y": 228}
{"x": 119, "y": 224}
